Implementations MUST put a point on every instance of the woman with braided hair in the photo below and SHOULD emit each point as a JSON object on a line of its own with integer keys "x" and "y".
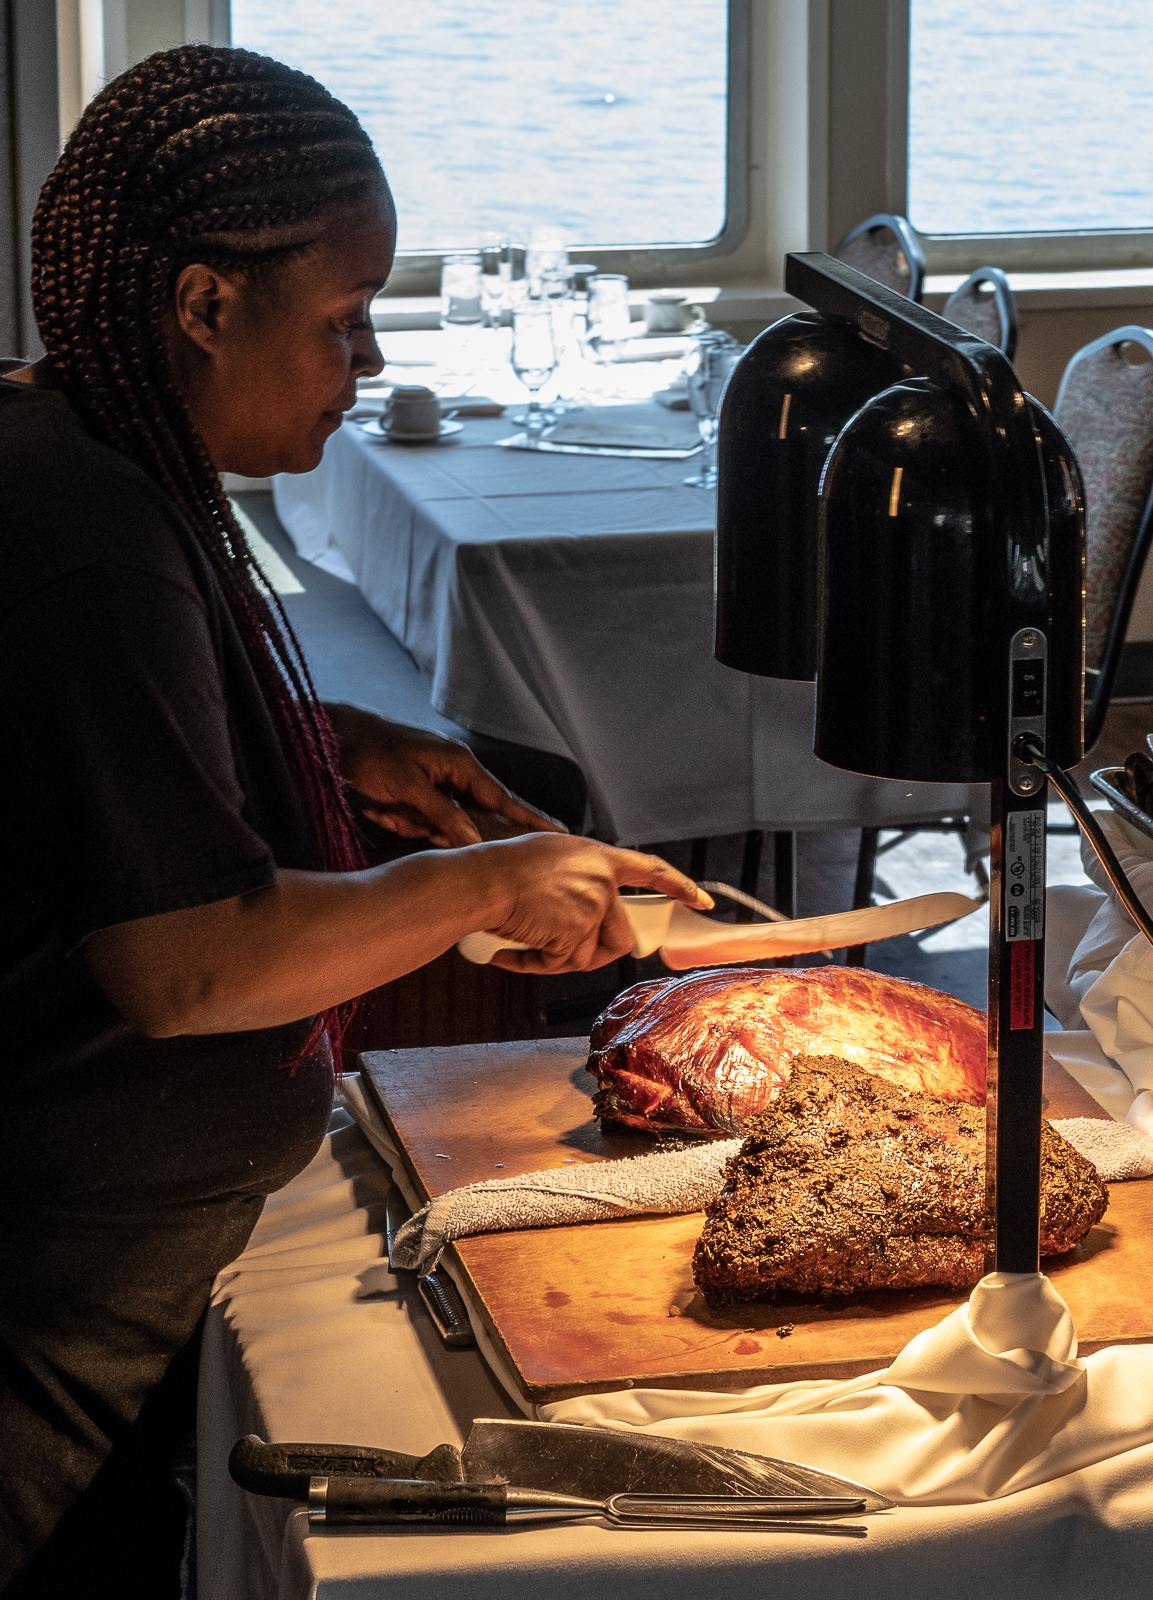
{"x": 185, "y": 905}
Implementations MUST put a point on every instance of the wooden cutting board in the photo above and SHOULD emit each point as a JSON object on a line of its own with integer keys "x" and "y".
{"x": 605, "y": 1305}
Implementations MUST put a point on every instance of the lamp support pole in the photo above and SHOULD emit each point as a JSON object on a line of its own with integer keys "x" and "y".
{"x": 1017, "y": 975}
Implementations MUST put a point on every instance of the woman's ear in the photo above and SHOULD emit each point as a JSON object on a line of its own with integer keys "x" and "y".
{"x": 204, "y": 303}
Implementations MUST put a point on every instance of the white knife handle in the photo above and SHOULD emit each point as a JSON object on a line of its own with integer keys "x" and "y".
{"x": 648, "y": 915}
{"x": 481, "y": 947}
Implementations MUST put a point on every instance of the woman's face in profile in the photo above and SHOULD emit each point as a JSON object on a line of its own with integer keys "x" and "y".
{"x": 267, "y": 366}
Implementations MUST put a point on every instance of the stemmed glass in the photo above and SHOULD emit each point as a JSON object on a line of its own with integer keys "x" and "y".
{"x": 717, "y": 355}
{"x": 533, "y": 358}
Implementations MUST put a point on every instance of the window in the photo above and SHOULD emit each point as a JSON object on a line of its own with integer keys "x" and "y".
{"x": 610, "y": 119}
{"x": 1031, "y": 118}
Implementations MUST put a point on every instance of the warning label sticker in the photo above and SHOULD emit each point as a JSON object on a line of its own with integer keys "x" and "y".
{"x": 1024, "y": 874}
{"x": 1021, "y": 974}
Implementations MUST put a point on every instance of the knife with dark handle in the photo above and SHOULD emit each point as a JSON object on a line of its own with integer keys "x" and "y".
{"x": 589, "y": 1463}
{"x": 440, "y": 1295}
{"x": 287, "y": 1469}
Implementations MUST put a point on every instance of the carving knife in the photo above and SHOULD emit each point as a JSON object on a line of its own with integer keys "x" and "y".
{"x": 440, "y": 1295}
{"x": 687, "y": 939}
{"x": 557, "y": 1458}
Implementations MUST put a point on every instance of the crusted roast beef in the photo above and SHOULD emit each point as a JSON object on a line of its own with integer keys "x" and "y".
{"x": 703, "y": 1053}
{"x": 848, "y": 1182}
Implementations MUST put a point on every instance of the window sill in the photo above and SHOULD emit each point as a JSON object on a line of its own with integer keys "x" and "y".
{"x": 728, "y": 303}
{"x": 1059, "y": 291}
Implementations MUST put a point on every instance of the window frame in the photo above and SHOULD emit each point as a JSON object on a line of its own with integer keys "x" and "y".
{"x": 417, "y": 272}
{"x": 1076, "y": 250}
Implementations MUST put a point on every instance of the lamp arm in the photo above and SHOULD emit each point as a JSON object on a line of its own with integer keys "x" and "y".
{"x": 1027, "y": 751}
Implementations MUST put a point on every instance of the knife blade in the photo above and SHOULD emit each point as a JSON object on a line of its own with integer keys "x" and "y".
{"x": 566, "y": 1458}
{"x": 687, "y": 939}
{"x": 440, "y": 1295}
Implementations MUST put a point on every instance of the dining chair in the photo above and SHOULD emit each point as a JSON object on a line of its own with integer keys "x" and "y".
{"x": 885, "y": 247}
{"x": 985, "y": 305}
{"x": 1105, "y": 408}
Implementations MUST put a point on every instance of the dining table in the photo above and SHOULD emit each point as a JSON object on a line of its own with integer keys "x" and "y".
{"x": 311, "y": 1338}
{"x": 564, "y": 602}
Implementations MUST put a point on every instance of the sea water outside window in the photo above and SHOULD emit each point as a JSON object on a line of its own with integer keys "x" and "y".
{"x": 606, "y": 117}
{"x": 1032, "y": 117}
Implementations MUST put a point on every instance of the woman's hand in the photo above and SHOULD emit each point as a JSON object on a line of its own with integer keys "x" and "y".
{"x": 561, "y": 900}
{"x": 314, "y": 939}
{"x": 417, "y": 783}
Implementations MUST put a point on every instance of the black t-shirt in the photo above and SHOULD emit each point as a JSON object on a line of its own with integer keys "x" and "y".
{"x": 143, "y": 774}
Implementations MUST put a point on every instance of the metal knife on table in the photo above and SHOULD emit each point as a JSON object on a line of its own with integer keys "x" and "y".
{"x": 560, "y": 1472}
{"x": 440, "y": 1295}
{"x": 555, "y": 1457}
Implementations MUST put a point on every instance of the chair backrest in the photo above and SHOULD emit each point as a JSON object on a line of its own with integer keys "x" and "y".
{"x": 1105, "y": 408}
{"x": 885, "y": 248}
{"x": 985, "y": 305}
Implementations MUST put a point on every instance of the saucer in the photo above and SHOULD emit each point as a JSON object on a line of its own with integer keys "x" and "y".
{"x": 448, "y": 430}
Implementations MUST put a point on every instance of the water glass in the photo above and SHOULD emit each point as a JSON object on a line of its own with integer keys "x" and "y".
{"x": 516, "y": 279}
{"x": 609, "y": 324}
{"x": 460, "y": 292}
{"x": 461, "y": 308}
{"x": 494, "y": 275}
{"x": 533, "y": 357}
{"x": 546, "y": 253}
{"x": 716, "y": 356}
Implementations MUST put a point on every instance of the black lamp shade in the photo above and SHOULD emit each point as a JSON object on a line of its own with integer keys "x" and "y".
{"x": 788, "y": 398}
{"x": 892, "y": 511}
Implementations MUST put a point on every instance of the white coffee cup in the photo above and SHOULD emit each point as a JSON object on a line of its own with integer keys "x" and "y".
{"x": 412, "y": 412}
{"x": 667, "y": 312}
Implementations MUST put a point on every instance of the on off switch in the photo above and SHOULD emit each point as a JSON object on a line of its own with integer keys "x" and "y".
{"x": 1028, "y": 688}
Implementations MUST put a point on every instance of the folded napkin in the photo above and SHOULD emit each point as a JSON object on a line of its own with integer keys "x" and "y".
{"x": 605, "y": 429}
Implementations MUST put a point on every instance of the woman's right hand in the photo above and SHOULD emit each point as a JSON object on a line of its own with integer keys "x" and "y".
{"x": 558, "y": 895}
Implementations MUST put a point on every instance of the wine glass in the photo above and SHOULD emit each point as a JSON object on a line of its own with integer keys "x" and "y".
{"x": 717, "y": 355}
{"x": 533, "y": 358}
{"x": 556, "y": 292}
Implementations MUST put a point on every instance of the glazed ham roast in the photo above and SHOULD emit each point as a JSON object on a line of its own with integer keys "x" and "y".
{"x": 704, "y": 1052}
{"x": 848, "y": 1183}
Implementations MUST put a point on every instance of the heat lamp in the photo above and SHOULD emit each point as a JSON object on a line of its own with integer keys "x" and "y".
{"x": 899, "y": 521}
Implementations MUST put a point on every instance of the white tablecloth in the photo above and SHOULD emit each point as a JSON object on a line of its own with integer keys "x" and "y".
{"x": 292, "y": 1354}
{"x": 566, "y": 603}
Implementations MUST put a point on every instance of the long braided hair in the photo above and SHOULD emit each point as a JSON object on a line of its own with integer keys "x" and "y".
{"x": 225, "y": 157}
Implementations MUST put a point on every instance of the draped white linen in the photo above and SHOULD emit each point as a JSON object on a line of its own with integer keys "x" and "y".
{"x": 566, "y": 603}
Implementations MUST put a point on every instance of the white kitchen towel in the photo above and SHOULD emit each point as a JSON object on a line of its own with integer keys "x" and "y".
{"x": 1118, "y": 1150}
{"x": 667, "y": 1183}
{"x": 992, "y": 1400}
